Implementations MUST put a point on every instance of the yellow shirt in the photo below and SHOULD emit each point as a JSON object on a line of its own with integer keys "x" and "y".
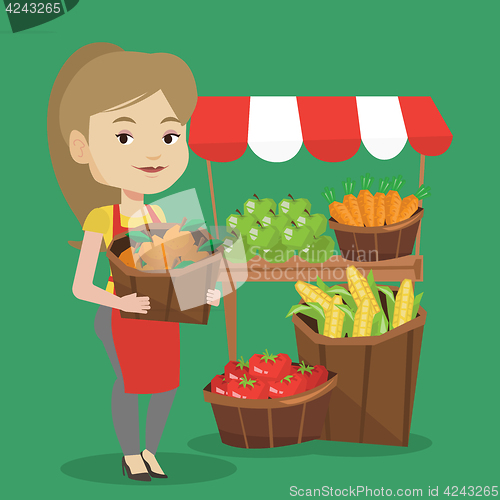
{"x": 100, "y": 220}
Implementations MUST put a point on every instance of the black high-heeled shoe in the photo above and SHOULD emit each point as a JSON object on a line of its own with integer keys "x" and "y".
{"x": 140, "y": 476}
{"x": 150, "y": 472}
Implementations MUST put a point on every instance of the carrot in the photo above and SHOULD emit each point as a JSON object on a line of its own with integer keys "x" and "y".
{"x": 393, "y": 201}
{"x": 351, "y": 202}
{"x": 341, "y": 214}
{"x": 366, "y": 202}
{"x": 338, "y": 210}
{"x": 409, "y": 204}
{"x": 379, "y": 202}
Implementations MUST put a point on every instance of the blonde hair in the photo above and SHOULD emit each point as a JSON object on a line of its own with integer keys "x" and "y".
{"x": 97, "y": 77}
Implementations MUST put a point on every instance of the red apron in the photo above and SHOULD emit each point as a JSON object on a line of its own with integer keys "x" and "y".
{"x": 148, "y": 351}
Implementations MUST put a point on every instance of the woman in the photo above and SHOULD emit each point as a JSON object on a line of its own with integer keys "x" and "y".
{"x": 117, "y": 131}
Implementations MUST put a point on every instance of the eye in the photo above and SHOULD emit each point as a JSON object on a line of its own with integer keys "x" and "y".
{"x": 170, "y": 139}
{"x": 125, "y": 139}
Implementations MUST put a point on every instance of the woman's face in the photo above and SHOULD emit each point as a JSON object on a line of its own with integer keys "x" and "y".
{"x": 140, "y": 148}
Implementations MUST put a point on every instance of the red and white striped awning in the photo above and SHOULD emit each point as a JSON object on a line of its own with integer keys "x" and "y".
{"x": 331, "y": 128}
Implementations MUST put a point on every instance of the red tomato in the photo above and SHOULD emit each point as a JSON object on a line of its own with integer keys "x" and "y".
{"x": 322, "y": 374}
{"x": 287, "y": 386}
{"x": 315, "y": 375}
{"x": 235, "y": 370}
{"x": 219, "y": 385}
{"x": 270, "y": 366}
{"x": 248, "y": 389}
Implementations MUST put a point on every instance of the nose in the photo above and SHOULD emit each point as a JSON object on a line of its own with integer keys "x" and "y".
{"x": 153, "y": 157}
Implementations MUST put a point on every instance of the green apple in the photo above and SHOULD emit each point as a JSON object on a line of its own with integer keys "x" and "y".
{"x": 259, "y": 208}
{"x": 272, "y": 219}
{"x": 296, "y": 237}
{"x": 263, "y": 236}
{"x": 317, "y": 222}
{"x": 241, "y": 222}
{"x": 278, "y": 254}
{"x": 294, "y": 208}
{"x": 237, "y": 251}
{"x": 319, "y": 251}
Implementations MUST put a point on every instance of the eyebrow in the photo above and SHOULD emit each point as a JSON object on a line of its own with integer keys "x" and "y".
{"x": 124, "y": 119}
{"x": 170, "y": 119}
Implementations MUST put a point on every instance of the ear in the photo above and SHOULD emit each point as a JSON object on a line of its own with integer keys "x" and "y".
{"x": 79, "y": 148}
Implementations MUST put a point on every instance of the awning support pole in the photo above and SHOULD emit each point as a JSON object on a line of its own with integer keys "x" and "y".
{"x": 228, "y": 285}
{"x": 420, "y": 183}
{"x": 211, "y": 182}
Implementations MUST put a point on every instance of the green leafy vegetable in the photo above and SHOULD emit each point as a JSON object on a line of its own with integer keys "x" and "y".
{"x": 376, "y": 325}
{"x": 138, "y": 236}
{"x": 321, "y": 284}
{"x": 303, "y": 368}
{"x": 210, "y": 245}
{"x": 373, "y": 287}
{"x": 391, "y": 301}
{"x": 380, "y": 324}
{"x": 348, "y": 319}
{"x": 269, "y": 357}
{"x": 299, "y": 308}
{"x": 242, "y": 363}
{"x": 346, "y": 296}
{"x": 383, "y": 323}
{"x": 193, "y": 225}
{"x": 246, "y": 381}
{"x": 184, "y": 264}
{"x": 311, "y": 309}
{"x": 416, "y": 305}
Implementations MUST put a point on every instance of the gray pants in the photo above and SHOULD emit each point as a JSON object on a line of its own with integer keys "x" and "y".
{"x": 125, "y": 407}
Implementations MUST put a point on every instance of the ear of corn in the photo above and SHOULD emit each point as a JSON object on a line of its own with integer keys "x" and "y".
{"x": 334, "y": 319}
{"x": 363, "y": 319}
{"x": 359, "y": 288}
{"x": 403, "y": 308}
{"x": 312, "y": 293}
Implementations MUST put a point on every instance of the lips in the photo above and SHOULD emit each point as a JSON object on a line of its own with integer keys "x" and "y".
{"x": 151, "y": 170}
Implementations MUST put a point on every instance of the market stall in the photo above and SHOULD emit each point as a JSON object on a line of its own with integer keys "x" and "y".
{"x": 332, "y": 130}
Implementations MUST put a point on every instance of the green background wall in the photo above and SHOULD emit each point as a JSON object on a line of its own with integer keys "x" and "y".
{"x": 57, "y": 431}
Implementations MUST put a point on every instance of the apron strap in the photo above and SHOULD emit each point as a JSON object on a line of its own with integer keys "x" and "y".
{"x": 117, "y": 222}
{"x": 152, "y": 214}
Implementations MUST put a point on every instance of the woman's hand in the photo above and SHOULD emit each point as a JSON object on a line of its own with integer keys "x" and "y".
{"x": 133, "y": 304}
{"x": 213, "y": 297}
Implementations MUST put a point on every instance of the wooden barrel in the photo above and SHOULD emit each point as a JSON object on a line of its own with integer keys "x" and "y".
{"x": 368, "y": 244}
{"x": 269, "y": 423}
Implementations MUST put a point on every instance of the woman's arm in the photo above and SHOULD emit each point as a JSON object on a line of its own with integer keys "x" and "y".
{"x": 83, "y": 284}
